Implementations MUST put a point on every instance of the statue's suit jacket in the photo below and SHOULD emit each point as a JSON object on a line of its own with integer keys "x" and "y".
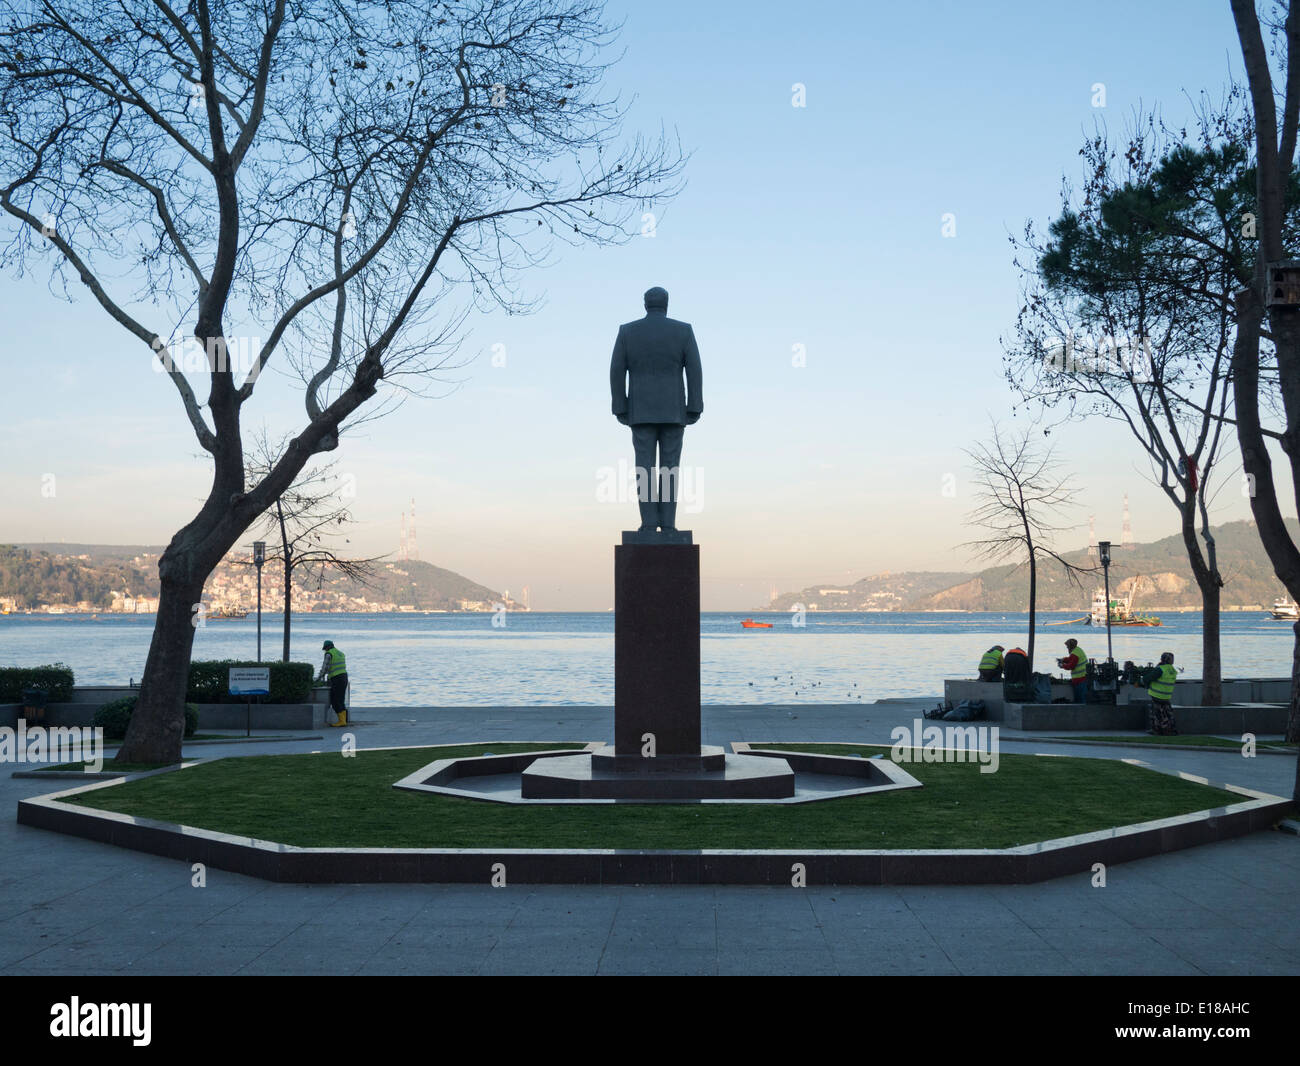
{"x": 645, "y": 375}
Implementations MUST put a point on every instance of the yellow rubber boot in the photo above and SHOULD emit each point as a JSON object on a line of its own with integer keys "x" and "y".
{"x": 342, "y": 720}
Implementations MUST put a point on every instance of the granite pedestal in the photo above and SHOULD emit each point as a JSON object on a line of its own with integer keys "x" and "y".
{"x": 656, "y": 753}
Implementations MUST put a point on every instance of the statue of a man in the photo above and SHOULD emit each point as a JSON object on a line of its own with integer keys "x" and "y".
{"x": 645, "y": 378}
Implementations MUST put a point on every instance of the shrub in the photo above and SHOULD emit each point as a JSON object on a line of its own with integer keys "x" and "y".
{"x": 290, "y": 682}
{"x": 115, "y": 715}
{"x": 56, "y": 679}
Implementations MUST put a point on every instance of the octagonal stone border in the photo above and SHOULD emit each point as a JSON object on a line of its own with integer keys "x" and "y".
{"x": 439, "y": 777}
{"x": 1019, "y": 865}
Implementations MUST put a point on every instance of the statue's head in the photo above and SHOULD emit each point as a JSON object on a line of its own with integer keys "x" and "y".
{"x": 656, "y": 299}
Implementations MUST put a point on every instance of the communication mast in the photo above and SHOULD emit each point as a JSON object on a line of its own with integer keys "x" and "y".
{"x": 1126, "y": 536}
{"x": 412, "y": 548}
{"x": 401, "y": 543}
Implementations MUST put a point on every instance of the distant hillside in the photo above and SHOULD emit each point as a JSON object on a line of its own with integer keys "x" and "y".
{"x": 418, "y": 584}
{"x": 1161, "y": 567}
{"x": 30, "y": 576}
{"x": 879, "y": 592}
{"x": 36, "y": 575}
{"x": 1166, "y": 581}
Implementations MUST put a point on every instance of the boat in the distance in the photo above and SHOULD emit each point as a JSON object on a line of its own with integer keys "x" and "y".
{"x": 227, "y": 612}
{"x": 749, "y": 623}
{"x": 1121, "y": 611}
{"x": 1286, "y": 610}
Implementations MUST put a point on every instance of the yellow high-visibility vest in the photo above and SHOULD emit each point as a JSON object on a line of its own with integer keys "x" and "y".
{"x": 1080, "y": 670}
{"x": 1163, "y": 688}
{"x": 992, "y": 660}
{"x": 337, "y": 662}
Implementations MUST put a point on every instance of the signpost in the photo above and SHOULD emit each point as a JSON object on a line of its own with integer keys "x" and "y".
{"x": 249, "y": 681}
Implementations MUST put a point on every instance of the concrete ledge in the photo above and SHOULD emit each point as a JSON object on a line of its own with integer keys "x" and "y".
{"x": 306, "y": 716}
{"x": 1101, "y": 717}
{"x": 1028, "y": 863}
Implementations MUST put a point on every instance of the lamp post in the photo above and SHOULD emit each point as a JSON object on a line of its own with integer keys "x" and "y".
{"x": 259, "y": 557}
{"x": 1103, "y": 548}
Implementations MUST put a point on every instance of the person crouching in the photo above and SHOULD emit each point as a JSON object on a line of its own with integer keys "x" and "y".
{"x": 991, "y": 665}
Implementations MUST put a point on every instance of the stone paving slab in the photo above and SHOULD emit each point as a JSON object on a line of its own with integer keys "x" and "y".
{"x": 1207, "y": 901}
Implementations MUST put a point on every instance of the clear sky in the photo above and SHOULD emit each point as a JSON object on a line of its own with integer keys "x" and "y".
{"x": 818, "y": 226}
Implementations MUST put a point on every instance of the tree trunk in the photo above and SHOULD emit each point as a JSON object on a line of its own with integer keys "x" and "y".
{"x": 1033, "y": 599}
{"x": 1212, "y": 666}
{"x": 288, "y": 605}
{"x": 286, "y": 556}
{"x": 157, "y": 728}
{"x": 1207, "y": 580}
{"x": 1293, "y": 715}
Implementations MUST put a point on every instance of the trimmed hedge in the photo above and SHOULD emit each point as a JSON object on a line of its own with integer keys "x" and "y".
{"x": 115, "y": 715}
{"x": 56, "y": 679}
{"x": 209, "y": 679}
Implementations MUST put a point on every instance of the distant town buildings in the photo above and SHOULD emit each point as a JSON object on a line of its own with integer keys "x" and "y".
{"x": 231, "y": 591}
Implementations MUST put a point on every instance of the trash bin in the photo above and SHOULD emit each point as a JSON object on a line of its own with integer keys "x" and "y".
{"x": 33, "y": 704}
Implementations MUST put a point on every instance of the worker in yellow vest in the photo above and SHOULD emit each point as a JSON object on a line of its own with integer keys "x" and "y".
{"x": 1161, "y": 718}
{"x": 1077, "y": 663}
{"x": 991, "y": 664}
{"x": 335, "y": 668}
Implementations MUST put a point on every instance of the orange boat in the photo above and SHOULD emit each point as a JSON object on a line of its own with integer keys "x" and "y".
{"x": 749, "y": 623}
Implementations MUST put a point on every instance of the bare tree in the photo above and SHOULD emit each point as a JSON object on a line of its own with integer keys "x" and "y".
{"x": 1275, "y": 149}
{"x": 307, "y": 521}
{"x": 1019, "y": 493}
{"x": 1128, "y": 314}
{"x": 317, "y": 180}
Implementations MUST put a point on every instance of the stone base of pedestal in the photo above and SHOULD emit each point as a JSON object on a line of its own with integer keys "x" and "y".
{"x": 711, "y": 758}
{"x": 584, "y": 776}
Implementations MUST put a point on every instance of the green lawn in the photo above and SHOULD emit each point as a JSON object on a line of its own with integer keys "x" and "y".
{"x": 327, "y": 800}
{"x": 1194, "y": 740}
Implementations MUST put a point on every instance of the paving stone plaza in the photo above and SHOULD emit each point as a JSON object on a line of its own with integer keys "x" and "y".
{"x": 71, "y": 906}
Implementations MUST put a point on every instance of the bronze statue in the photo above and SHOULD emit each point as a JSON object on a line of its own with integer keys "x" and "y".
{"x": 645, "y": 379}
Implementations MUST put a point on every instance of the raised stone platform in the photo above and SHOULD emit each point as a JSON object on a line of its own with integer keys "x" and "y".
{"x": 604, "y": 775}
{"x": 747, "y": 776}
{"x": 277, "y": 861}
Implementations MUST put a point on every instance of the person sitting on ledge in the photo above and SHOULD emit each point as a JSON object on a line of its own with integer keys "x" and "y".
{"x": 991, "y": 664}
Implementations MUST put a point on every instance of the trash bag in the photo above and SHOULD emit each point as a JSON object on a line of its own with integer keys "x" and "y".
{"x": 1040, "y": 688}
{"x": 1015, "y": 676}
{"x": 966, "y": 711}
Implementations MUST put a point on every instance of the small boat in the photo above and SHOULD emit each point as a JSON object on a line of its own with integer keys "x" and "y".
{"x": 226, "y": 612}
{"x": 1121, "y": 611}
{"x": 749, "y": 623}
{"x": 1286, "y": 610}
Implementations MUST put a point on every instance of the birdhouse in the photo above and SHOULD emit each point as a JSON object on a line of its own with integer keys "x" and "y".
{"x": 1284, "y": 284}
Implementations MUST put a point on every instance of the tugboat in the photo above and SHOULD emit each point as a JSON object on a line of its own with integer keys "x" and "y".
{"x": 1121, "y": 612}
{"x": 227, "y": 612}
{"x": 749, "y": 623}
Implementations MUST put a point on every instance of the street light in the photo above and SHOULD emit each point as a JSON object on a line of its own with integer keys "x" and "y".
{"x": 259, "y": 557}
{"x": 1103, "y": 547}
